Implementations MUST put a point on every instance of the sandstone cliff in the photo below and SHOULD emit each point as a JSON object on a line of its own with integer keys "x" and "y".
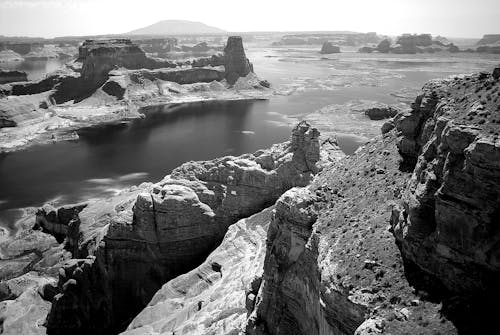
{"x": 329, "y": 48}
{"x": 115, "y": 79}
{"x": 136, "y": 245}
{"x": 332, "y": 265}
{"x": 447, "y": 225}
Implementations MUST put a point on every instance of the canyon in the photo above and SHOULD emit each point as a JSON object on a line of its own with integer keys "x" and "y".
{"x": 397, "y": 238}
{"x": 371, "y": 218}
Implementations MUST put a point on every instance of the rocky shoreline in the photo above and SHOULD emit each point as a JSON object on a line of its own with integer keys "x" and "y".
{"x": 400, "y": 237}
{"x": 110, "y": 83}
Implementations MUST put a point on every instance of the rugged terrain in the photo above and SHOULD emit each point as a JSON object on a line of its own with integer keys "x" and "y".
{"x": 124, "y": 248}
{"x": 400, "y": 237}
{"x": 110, "y": 82}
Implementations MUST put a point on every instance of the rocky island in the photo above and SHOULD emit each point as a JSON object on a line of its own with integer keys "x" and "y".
{"x": 110, "y": 82}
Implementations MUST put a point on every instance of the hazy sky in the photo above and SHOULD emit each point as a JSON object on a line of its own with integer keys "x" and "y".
{"x": 49, "y": 18}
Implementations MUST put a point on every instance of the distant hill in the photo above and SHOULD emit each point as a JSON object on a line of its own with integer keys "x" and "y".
{"x": 177, "y": 27}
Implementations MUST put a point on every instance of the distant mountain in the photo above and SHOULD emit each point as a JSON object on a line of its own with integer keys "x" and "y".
{"x": 177, "y": 27}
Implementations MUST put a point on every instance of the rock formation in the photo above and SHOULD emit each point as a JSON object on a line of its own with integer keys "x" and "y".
{"x": 12, "y": 76}
{"x": 211, "y": 298}
{"x": 447, "y": 223}
{"x": 111, "y": 82}
{"x": 381, "y": 112}
{"x": 170, "y": 228}
{"x": 236, "y": 62}
{"x": 489, "y": 39}
{"x": 384, "y": 46}
{"x": 329, "y": 48}
{"x": 412, "y": 44}
{"x": 332, "y": 265}
{"x": 100, "y": 57}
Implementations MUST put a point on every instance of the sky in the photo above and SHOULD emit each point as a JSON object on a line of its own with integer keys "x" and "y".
{"x": 451, "y": 18}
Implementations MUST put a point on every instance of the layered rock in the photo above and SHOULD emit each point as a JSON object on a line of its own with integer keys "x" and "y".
{"x": 12, "y": 76}
{"x": 115, "y": 80}
{"x": 331, "y": 264}
{"x": 447, "y": 225}
{"x": 62, "y": 222}
{"x": 329, "y": 48}
{"x": 173, "y": 226}
{"x": 489, "y": 39}
{"x": 236, "y": 62}
{"x": 212, "y": 297}
{"x": 100, "y": 57}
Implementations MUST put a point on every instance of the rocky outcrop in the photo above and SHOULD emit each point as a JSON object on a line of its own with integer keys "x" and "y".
{"x": 212, "y": 297}
{"x": 422, "y": 40}
{"x": 340, "y": 38}
{"x": 381, "y": 112}
{"x": 489, "y": 39}
{"x": 331, "y": 264}
{"x": 412, "y": 44}
{"x": 329, "y": 48}
{"x": 171, "y": 227}
{"x": 447, "y": 223}
{"x": 12, "y": 76}
{"x": 384, "y": 46}
{"x": 61, "y": 223}
{"x": 236, "y": 62}
{"x": 99, "y": 57}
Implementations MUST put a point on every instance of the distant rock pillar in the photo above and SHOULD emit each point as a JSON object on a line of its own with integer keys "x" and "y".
{"x": 235, "y": 61}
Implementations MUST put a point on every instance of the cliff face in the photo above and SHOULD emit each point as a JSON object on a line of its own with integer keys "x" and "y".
{"x": 329, "y": 48}
{"x": 12, "y": 76}
{"x": 332, "y": 265}
{"x": 211, "y": 298}
{"x": 447, "y": 225}
{"x": 100, "y": 57}
{"x": 170, "y": 228}
{"x": 236, "y": 62}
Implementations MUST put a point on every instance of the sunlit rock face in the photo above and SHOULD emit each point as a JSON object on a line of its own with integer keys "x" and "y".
{"x": 212, "y": 297}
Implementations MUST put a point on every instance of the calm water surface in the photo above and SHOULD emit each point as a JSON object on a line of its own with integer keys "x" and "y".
{"x": 107, "y": 159}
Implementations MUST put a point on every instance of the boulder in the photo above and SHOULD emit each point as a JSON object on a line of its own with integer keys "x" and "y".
{"x": 329, "y": 48}
{"x": 496, "y": 73}
{"x": 381, "y": 112}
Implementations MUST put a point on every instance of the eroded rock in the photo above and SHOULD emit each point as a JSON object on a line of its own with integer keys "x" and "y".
{"x": 446, "y": 225}
{"x": 172, "y": 226}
